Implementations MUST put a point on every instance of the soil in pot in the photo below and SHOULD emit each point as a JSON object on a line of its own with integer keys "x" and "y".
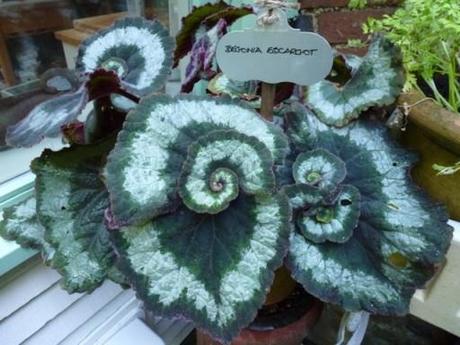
{"x": 284, "y": 323}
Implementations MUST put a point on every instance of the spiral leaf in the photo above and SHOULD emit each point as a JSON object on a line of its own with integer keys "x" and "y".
{"x": 143, "y": 170}
{"x": 334, "y": 222}
{"x": 218, "y": 164}
{"x": 319, "y": 168}
{"x": 376, "y": 82}
{"x": 139, "y": 51}
{"x": 401, "y": 234}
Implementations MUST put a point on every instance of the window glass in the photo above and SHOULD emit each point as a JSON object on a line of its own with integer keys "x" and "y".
{"x": 36, "y": 35}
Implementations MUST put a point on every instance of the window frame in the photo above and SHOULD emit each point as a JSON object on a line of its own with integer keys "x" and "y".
{"x": 17, "y": 182}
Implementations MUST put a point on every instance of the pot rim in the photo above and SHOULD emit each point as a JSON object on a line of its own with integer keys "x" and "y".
{"x": 438, "y": 123}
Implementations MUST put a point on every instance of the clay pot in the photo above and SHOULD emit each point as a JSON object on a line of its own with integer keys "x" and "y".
{"x": 285, "y": 323}
{"x": 434, "y": 133}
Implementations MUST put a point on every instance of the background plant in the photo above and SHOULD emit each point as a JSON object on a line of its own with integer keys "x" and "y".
{"x": 428, "y": 33}
{"x": 202, "y": 198}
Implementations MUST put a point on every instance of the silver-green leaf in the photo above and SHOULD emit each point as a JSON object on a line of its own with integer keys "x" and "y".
{"x": 20, "y": 224}
{"x": 71, "y": 201}
{"x": 401, "y": 235}
{"x": 218, "y": 165}
{"x": 376, "y": 82}
{"x": 334, "y": 222}
{"x": 319, "y": 168}
{"x": 212, "y": 269}
{"x": 143, "y": 170}
{"x": 138, "y": 50}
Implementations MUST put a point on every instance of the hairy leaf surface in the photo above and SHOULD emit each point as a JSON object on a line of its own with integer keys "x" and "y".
{"x": 139, "y": 51}
{"x": 71, "y": 200}
{"x": 212, "y": 269}
{"x": 400, "y": 236}
{"x": 20, "y": 224}
{"x": 376, "y": 82}
{"x": 143, "y": 170}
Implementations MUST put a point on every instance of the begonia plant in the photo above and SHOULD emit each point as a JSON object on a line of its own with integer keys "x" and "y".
{"x": 195, "y": 201}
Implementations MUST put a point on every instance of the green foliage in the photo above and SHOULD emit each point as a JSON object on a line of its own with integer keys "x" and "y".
{"x": 357, "y": 4}
{"x": 375, "y": 80}
{"x": 200, "y": 225}
{"x": 447, "y": 170}
{"x": 428, "y": 33}
{"x": 373, "y": 238}
{"x": 71, "y": 200}
{"x": 355, "y": 43}
{"x": 20, "y": 223}
{"x": 200, "y": 198}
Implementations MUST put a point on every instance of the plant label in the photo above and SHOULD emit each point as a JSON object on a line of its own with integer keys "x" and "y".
{"x": 275, "y": 53}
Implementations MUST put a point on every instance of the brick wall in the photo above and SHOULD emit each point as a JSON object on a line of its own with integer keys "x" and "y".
{"x": 338, "y": 23}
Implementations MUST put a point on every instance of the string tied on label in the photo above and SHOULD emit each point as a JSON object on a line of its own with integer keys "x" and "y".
{"x": 270, "y": 17}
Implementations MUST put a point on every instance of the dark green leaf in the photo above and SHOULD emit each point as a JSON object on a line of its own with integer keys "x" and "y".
{"x": 401, "y": 234}
{"x": 376, "y": 82}
{"x": 143, "y": 170}
{"x": 212, "y": 269}
{"x": 71, "y": 200}
{"x": 207, "y": 15}
{"x": 137, "y": 50}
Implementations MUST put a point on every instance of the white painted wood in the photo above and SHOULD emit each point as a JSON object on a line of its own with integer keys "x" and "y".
{"x": 26, "y": 321}
{"x": 74, "y": 316}
{"x": 177, "y": 332}
{"x": 25, "y": 288}
{"x": 36, "y": 311}
{"x": 439, "y": 304}
{"x": 107, "y": 321}
{"x": 136, "y": 332}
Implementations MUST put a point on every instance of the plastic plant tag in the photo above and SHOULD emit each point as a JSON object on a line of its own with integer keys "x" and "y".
{"x": 275, "y": 53}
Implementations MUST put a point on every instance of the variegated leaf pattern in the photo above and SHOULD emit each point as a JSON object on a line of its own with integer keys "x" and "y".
{"x": 376, "y": 80}
{"x": 144, "y": 168}
{"x": 398, "y": 236}
{"x": 204, "y": 18}
{"x": 20, "y": 224}
{"x": 192, "y": 178}
{"x": 201, "y": 64}
{"x": 71, "y": 200}
{"x": 138, "y": 50}
{"x": 212, "y": 269}
{"x": 218, "y": 165}
{"x": 319, "y": 168}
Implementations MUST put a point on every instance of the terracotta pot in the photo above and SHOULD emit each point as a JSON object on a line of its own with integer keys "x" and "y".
{"x": 434, "y": 133}
{"x": 273, "y": 330}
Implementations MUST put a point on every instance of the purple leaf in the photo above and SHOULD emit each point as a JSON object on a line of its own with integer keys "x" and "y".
{"x": 202, "y": 56}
